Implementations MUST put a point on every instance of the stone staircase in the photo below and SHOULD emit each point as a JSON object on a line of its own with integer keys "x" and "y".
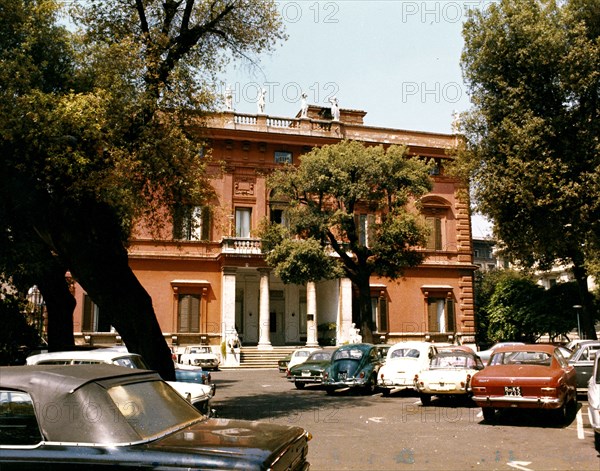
{"x": 252, "y": 357}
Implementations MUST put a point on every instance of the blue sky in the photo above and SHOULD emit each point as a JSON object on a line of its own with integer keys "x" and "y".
{"x": 398, "y": 60}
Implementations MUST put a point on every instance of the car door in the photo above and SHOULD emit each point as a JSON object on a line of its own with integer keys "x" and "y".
{"x": 584, "y": 364}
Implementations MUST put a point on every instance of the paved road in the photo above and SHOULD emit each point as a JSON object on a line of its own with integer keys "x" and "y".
{"x": 356, "y": 432}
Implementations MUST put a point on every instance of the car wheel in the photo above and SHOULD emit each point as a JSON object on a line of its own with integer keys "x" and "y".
{"x": 597, "y": 440}
{"x": 299, "y": 385}
{"x": 561, "y": 414}
{"x": 329, "y": 391}
{"x": 572, "y": 408}
{"x": 385, "y": 392}
{"x": 489, "y": 414}
{"x": 369, "y": 389}
{"x": 425, "y": 399}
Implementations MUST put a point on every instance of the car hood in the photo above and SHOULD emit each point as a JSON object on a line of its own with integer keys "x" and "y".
{"x": 231, "y": 440}
{"x": 196, "y": 391}
{"x": 311, "y": 365}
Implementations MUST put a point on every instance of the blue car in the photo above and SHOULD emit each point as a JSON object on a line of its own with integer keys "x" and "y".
{"x": 354, "y": 366}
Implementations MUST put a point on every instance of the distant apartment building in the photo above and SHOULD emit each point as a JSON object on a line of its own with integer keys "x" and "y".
{"x": 207, "y": 274}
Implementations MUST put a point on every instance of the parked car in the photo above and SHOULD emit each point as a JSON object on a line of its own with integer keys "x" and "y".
{"x": 107, "y": 416}
{"x": 486, "y": 354}
{"x": 282, "y": 364}
{"x": 300, "y": 356}
{"x": 199, "y": 394}
{"x": 449, "y": 374}
{"x": 582, "y": 359}
{"x": 404, "y": 360}
{"x": 593, "y": 397}
{"x": 526, "y": 376}
{"x": 353, "y": 366}
{"x": 199, "y": 355}
{"x": 311, "y": 371}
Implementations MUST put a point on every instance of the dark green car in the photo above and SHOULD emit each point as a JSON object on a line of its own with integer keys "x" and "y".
{"x": 311, "y": 371}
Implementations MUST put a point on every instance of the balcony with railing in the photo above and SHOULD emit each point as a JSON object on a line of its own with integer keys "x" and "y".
{"x": 241, "y": 246}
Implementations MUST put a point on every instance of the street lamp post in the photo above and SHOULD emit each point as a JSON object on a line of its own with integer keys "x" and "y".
{"x": 578, "y": 308}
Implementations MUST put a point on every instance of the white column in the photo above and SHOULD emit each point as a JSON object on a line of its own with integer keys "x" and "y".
{"x": 228, "y": 314}
{"x": 264, "y": 341}
{"x": 344, "y": 323}
{"x": 311, "y": 315}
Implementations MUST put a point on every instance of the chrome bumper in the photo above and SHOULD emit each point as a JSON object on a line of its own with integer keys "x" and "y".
{"x": 517, "y": 399}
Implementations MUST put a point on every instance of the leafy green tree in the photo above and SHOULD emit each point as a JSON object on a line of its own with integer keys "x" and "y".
{"x": 17, "y": 337}
{"x": 328, "y": 192}
{"x": 94, "y": 132}
{"x": 532, "y": 137}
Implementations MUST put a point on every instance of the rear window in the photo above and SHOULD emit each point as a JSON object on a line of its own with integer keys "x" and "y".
{"x": 351, "y": 354}
{"x": 18, "y": 424}
{"x": 405, "y": 353}
{"x": 521, "y": 358}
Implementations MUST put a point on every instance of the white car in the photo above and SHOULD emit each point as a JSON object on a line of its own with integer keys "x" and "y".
{"x": 449, "y": 374}
{"x": 404, "y": 360}
{"x": 485, "y": 355}
{"x": 197, "y": 394}
{"x": 300, "y": 356}
{"x": 199, "y": 355}
{"x": 593, "y": 397}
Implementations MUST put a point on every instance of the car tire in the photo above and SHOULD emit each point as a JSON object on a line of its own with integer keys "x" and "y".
{"x": 489, "y": 414}
{"x": 299, "y": 384}
{"x": 329, "y": 391}
{"x": 561, "y": 414}
{"x": 385, "y": 392}
{"x": 369, "y": 389}
{"x": 597, "y": 440}
{"x": 425, "y": 399}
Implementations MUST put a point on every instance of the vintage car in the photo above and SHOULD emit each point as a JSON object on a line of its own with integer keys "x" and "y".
{"x": 593, "y": 397}
{"x": 310, "y": 371}
{"x": 486, "y": 354}
{"x": 353, "y": 366}
{"x": 199, "y": 355}
{"x": 282, "y": 363}
{"x": 404, "y": 360}
{"x": 449, "y": 374}
{"x": 582, "y": 359}
{"x": 57, "y": 417}
{"x": 526, "y": 376}
{"x": 199, "y": 394}
{"x": 300, "y": 356}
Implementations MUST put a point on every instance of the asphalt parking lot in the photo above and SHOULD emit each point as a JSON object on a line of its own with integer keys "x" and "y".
{"x": 354, "y": 431}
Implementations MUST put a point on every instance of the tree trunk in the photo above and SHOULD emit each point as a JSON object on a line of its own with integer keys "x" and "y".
{"x": 91, "y": 244}
{"x": 60, "y": 305}
{"x": 365, "y": 312}
{"x": 587, "y": 318}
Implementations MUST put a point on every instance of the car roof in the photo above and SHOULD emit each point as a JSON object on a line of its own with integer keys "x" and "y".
{"x": 355, "y": 346}
{"x": 531, "y": 347}
{"x": 104, "y": 354}
{"x": 34, "y": 379}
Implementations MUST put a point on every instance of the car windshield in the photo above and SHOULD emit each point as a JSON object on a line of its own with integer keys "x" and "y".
{"x": 320, "y": 356}
{"x": 152, "y": 408}
{"x": 453, "y": 361}
{"x": 352, "y": 354}
{"x": 521, "y": 358}
{"x": 405, "y": 353}
{"x": 302, "y": 353}
{"x": 132, "y": 361}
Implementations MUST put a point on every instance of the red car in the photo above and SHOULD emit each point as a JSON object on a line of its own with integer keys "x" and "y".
{"x": 526, "y": 376}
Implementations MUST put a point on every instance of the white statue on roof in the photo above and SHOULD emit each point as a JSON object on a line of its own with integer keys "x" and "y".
{"x": 335, "y": 108}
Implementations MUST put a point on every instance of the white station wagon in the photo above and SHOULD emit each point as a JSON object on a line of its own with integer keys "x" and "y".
{"x": 197, "y": 394}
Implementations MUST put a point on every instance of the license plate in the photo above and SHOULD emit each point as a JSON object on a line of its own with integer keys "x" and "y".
{"x": 343, "y": 375}
{"x": 512, "y": 391}
{"x": 306, "y": 373}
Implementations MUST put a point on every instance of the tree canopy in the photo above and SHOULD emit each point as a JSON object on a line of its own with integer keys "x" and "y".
{"x": 94, "y": 135}
{"x": 351, "y": 200}
{"x": 532, "y": 137}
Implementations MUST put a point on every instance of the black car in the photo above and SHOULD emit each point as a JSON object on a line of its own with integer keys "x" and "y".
{"x": 56, "y": 417}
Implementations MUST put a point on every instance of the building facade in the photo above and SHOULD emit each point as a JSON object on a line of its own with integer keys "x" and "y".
{"x": 208, "y": 278}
